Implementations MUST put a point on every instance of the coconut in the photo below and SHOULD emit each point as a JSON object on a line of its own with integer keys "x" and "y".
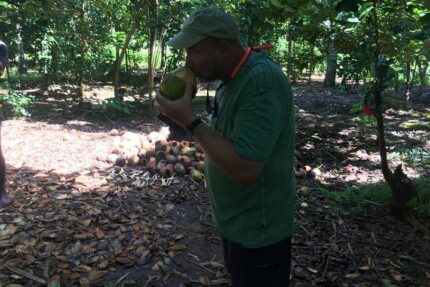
{"x": 200, "y": 165}
{"x": 133, "y": 159}
{"x": 196, "y": 175}
{"x": 179, "y": 169}
{"x": 173, "y": 84}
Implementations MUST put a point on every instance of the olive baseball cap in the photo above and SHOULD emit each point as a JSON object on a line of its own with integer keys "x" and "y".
{"x": 206, "y": 22}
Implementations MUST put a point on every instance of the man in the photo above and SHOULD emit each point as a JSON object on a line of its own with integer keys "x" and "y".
{"x": 5, "y": 200}
{"x": 249, "y": 146}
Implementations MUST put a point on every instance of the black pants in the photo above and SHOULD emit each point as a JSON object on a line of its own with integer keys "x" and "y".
{"x": 261, "y": 267}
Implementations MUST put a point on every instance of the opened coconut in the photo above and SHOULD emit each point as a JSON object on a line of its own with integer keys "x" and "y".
{"x": 173, "y": 84}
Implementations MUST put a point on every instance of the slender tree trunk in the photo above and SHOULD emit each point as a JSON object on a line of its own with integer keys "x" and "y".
{"x": 81, "y": 57}
{"x": 311, "y": 66}
{"x": 22, "y": 63}
{"x": 151, "y": 72}
{"x": 163, "y": 55}
{"x": 330, "y": 74}
{"x": 120, "y": 56}
{"x": 400, "y": 185}
{"x": 127, "y": 71}
{"x": 289, "y": 57}
{"x": 422, "y": 71}
{"x": 152, "y": 61}
{"x": 410, "y": 76}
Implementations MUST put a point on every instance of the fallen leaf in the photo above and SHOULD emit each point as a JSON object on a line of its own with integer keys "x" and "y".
{"x": 204, "y": 280}
{"x": 178, "y": 247}
{"x": 124, "y": 260}
{"x": 364, "y": 268}
{"x": 352, "y": 275}
{"x": 26, "y": 275}
{"x": 397, "y": 277}
{"x": 96, "y": 275}
{"x": 82, "y": 268}
{"x": 99, "y": 233}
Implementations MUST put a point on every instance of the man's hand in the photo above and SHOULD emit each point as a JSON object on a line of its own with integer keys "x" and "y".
{"x": 181, "y": 110}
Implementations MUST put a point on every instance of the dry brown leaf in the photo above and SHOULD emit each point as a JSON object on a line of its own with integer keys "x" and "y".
{"x": 84, "y": 282}
{"x": 139, "y": 251}
{"x": 397, "y": 277}
{"x": 96, "y": 275}
{"x": 86, "y": 222}
{"x": 178, "y": 247}
{"x": 99, "y": 233}
{"x": 82, "y": 268}
{"x": 82, "y": 236}
{"x": 364, "y": 268}
{"x": 26, "y": 275}
{"x": 124, "y": 260}
{"x": 352, "y": 275}
{"x": 204, "y": 280}
{"x": 29, "y": 259}
{"x": 312, "y": 270}
{"x": 103, "y": 264}
{"x": 63, "y": 265}
{"x": 133, "y": 215}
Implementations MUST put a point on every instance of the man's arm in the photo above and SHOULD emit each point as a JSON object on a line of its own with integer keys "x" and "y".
{"x": 222, "y": 153}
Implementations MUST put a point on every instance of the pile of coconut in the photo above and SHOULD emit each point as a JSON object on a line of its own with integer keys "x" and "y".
{"x": 157, "y": 155}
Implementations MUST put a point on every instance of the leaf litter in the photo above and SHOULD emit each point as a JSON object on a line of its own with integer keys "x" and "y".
{"x": 79, "y": 221}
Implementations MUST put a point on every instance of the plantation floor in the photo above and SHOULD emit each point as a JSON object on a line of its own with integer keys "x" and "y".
{"x": 79, "y": 221}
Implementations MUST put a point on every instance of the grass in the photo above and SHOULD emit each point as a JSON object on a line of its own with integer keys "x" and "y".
{"x": 357, "y": 197}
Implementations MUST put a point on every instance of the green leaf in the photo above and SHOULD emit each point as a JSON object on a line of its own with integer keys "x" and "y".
{"x": 353, "y": 20}
{"x": 364, "y": 10}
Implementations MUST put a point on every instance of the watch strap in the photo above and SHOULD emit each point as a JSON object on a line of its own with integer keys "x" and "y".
{"x": 193, "y": 125}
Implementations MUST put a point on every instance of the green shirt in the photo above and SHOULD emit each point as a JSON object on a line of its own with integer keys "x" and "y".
{"x": 256, "y": 113}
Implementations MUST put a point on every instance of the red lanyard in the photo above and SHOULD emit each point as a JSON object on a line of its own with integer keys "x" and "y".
{"x": 246, "y": 56}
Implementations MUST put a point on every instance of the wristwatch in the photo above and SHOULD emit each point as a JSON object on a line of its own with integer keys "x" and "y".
{"x": 193, "y": 125}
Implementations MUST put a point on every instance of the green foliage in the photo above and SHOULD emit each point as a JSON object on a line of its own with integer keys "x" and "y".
{"x": 357, "y": 197}
{"x": 114, "y": 108}
{"x": 417, "y": 156}
{"x": 364, "y": 122}
{"x": 422, "y": 202}
{"x": 19, "y": 102}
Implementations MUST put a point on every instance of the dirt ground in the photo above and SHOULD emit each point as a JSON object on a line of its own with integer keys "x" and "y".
{"x": 81, "y": 221}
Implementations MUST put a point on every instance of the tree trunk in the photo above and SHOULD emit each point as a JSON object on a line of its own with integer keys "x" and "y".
{"x": 81, "y": 57}
{"x": 289, "y": 57}
{"x": 120, "y": 56}
{"x": 163, "y": 55}
{"x": 152, "y": 59}
{"x": 150, "y": 79}
{"x": 422, "y": 71}
{"x": 330, "y": 74}
{"x": 22, "y": 63}
{"x": 410, "y": 76}
{"x": 401, "y": 186}
{"x": 127, "y": 69}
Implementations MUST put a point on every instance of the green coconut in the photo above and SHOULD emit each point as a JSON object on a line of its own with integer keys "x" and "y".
{"x": 173, "y": 84}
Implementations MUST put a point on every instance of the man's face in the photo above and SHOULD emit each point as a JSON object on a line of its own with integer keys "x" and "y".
{"x": 205, "y": 60}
